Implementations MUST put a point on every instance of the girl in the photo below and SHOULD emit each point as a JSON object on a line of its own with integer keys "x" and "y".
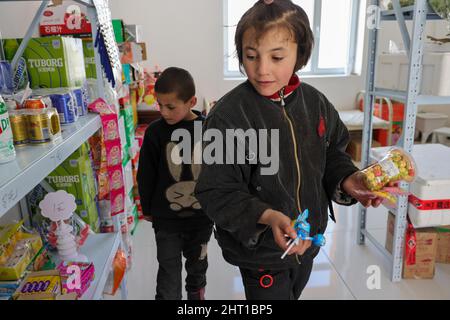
{"x": 253, "y": 211}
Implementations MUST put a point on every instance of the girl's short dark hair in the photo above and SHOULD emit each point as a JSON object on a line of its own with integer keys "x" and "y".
{"x": 280, "y": 13}
{"x": 176, "y": 80}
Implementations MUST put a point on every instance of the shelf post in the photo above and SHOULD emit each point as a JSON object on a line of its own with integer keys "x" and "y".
{"x": 31, "y": 30}
{"x": 92, "y": 14}
{"x": 368, "y": 109}
{"x": 406, "y": 140}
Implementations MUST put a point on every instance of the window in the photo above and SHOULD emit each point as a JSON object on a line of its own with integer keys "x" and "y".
{"x": 338, "y": 28}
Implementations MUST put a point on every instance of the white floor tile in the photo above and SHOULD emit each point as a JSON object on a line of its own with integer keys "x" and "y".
{"x": 352, "y": 261}
{"x": 325, "y": 283}
{"x": 339, "y": 272}
{"x": 347, "y": 219}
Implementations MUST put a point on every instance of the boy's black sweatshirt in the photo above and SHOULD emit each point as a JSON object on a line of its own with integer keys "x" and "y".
{"x": 312, "y": 164}
{"x": 167, "y": 189}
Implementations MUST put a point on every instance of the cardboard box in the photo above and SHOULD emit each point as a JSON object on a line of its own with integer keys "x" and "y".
{"x": 10, "y": 237}
{"x": 443, "y": 246}
{"x": 89, "y": 59}
{"x": 76, "y": 176}
{"x": 69, "y": 18}
{"x": 354, "y": 147}
{"x": 426, "y": 248}
{"x": 53, "y": 291}
{"x": 54, "y": 62}
{"x": 119, "y": 30}
{"x": 131, "y": 52}
{"x": 134, "y": 33}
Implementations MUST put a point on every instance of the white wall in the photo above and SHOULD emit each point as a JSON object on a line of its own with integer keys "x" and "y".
{"x": 189, "y": 34}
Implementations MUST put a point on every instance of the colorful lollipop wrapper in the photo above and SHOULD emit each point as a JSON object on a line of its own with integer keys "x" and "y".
{"x": 396, "y": 165}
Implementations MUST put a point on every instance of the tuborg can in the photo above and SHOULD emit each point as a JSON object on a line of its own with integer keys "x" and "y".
{"x": 7, "y": 151}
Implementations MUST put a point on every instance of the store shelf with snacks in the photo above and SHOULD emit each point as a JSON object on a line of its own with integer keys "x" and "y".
{"x": 34, "y": 162}
{"x": 100, "y": 249}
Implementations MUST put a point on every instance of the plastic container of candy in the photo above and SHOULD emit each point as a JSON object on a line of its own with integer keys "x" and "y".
{"x": 396, "y": 165}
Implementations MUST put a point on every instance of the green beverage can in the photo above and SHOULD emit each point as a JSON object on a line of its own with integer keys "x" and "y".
{"x": 7, "y": 151}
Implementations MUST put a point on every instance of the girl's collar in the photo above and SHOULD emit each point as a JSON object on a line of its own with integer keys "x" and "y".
{"x": 293, "y": 84}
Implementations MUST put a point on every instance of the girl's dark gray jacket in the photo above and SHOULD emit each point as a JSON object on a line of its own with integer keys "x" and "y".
{"x": 235, "y": 195}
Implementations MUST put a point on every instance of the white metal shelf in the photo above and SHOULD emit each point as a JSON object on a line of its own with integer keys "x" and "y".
{"x": 101, "y": 250}
{"x": 401, "y": 96}
{"x": 34, "y": 162}
{"x": 420, "y": 12}
{"x": 408, "y": 14}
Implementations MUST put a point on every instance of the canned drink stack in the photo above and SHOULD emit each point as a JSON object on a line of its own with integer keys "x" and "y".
{"x": 19, "y": 126}
{"x": 64, "y": 103}
{"x": 34, "y": 102}
{"x": 7, "y": 151}
{"x": 80, "y": 101}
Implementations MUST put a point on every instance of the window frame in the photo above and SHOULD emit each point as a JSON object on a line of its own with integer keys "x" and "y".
{"x": 314, "y": 60}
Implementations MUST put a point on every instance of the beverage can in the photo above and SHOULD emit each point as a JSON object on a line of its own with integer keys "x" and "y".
{"x": 36, "y": 102}
{"x": 65, "y": 104}
{"x": 7, "y": 151}
{"x": 19, "y": 126}
{"x": 44, "y": 125}
{"x": 80, "y": 101}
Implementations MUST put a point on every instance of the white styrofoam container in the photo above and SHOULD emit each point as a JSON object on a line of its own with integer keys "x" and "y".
{"x": 393, "y": 69}
{"x": 432, "y": 182}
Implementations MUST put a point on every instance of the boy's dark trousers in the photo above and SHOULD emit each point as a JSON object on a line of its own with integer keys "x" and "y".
{"x": 170, "y": 246}
{"x": 285, "y": 284}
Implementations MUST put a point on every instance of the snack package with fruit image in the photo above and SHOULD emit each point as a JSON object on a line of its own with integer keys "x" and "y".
{"x": 397, "y": 165}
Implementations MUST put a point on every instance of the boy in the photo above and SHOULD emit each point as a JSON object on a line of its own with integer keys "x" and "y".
{"x": 166, "y": 187}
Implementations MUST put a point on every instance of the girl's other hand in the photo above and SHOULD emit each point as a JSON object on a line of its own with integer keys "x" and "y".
{"x": 354, "y": 186}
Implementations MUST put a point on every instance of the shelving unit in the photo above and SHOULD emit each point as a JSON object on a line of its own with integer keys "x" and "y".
{"x": 414, "y": 45}
{"x": 34, "y": 163}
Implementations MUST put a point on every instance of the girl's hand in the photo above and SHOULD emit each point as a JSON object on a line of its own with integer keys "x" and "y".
{"x": 354, "y": 186}
{"x": 281, "y": 226}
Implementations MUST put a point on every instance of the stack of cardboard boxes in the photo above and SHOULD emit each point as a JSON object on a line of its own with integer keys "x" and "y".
{"x": 424, "y": 248}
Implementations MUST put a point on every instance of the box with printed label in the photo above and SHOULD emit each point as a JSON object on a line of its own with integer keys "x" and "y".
{"x": 55, "y": 62}
{"x": 75, "y": 175}
{"x": 17, "y": 250}
{"x": 443, "y": 246}
{"x": 89, "y": 59}
{"x": 420, "y": 251}
{"x": 68, "y": 18}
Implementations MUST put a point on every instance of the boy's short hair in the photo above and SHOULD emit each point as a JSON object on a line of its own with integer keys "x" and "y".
{"x": 279, "y": 13}
{"x": 176, "y": 80}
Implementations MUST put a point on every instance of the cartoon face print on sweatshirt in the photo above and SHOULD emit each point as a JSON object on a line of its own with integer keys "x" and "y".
{"x": 181, "y": 194}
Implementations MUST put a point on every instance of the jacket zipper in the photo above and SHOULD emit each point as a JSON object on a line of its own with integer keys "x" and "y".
{"x": 297, "y": 160}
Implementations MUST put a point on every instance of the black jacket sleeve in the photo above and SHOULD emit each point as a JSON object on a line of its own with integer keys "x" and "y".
{"x": 338, "y": 163}
{"x": 223, "y": 192}
{"x": 148, "y": 169}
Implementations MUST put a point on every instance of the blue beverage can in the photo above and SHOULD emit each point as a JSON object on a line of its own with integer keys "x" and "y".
{"x": 64, "y": 103}
{"x": 81, "y": 103}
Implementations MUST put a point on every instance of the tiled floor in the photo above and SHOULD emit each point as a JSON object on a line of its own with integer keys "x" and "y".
{"x": 340, "y": 270}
